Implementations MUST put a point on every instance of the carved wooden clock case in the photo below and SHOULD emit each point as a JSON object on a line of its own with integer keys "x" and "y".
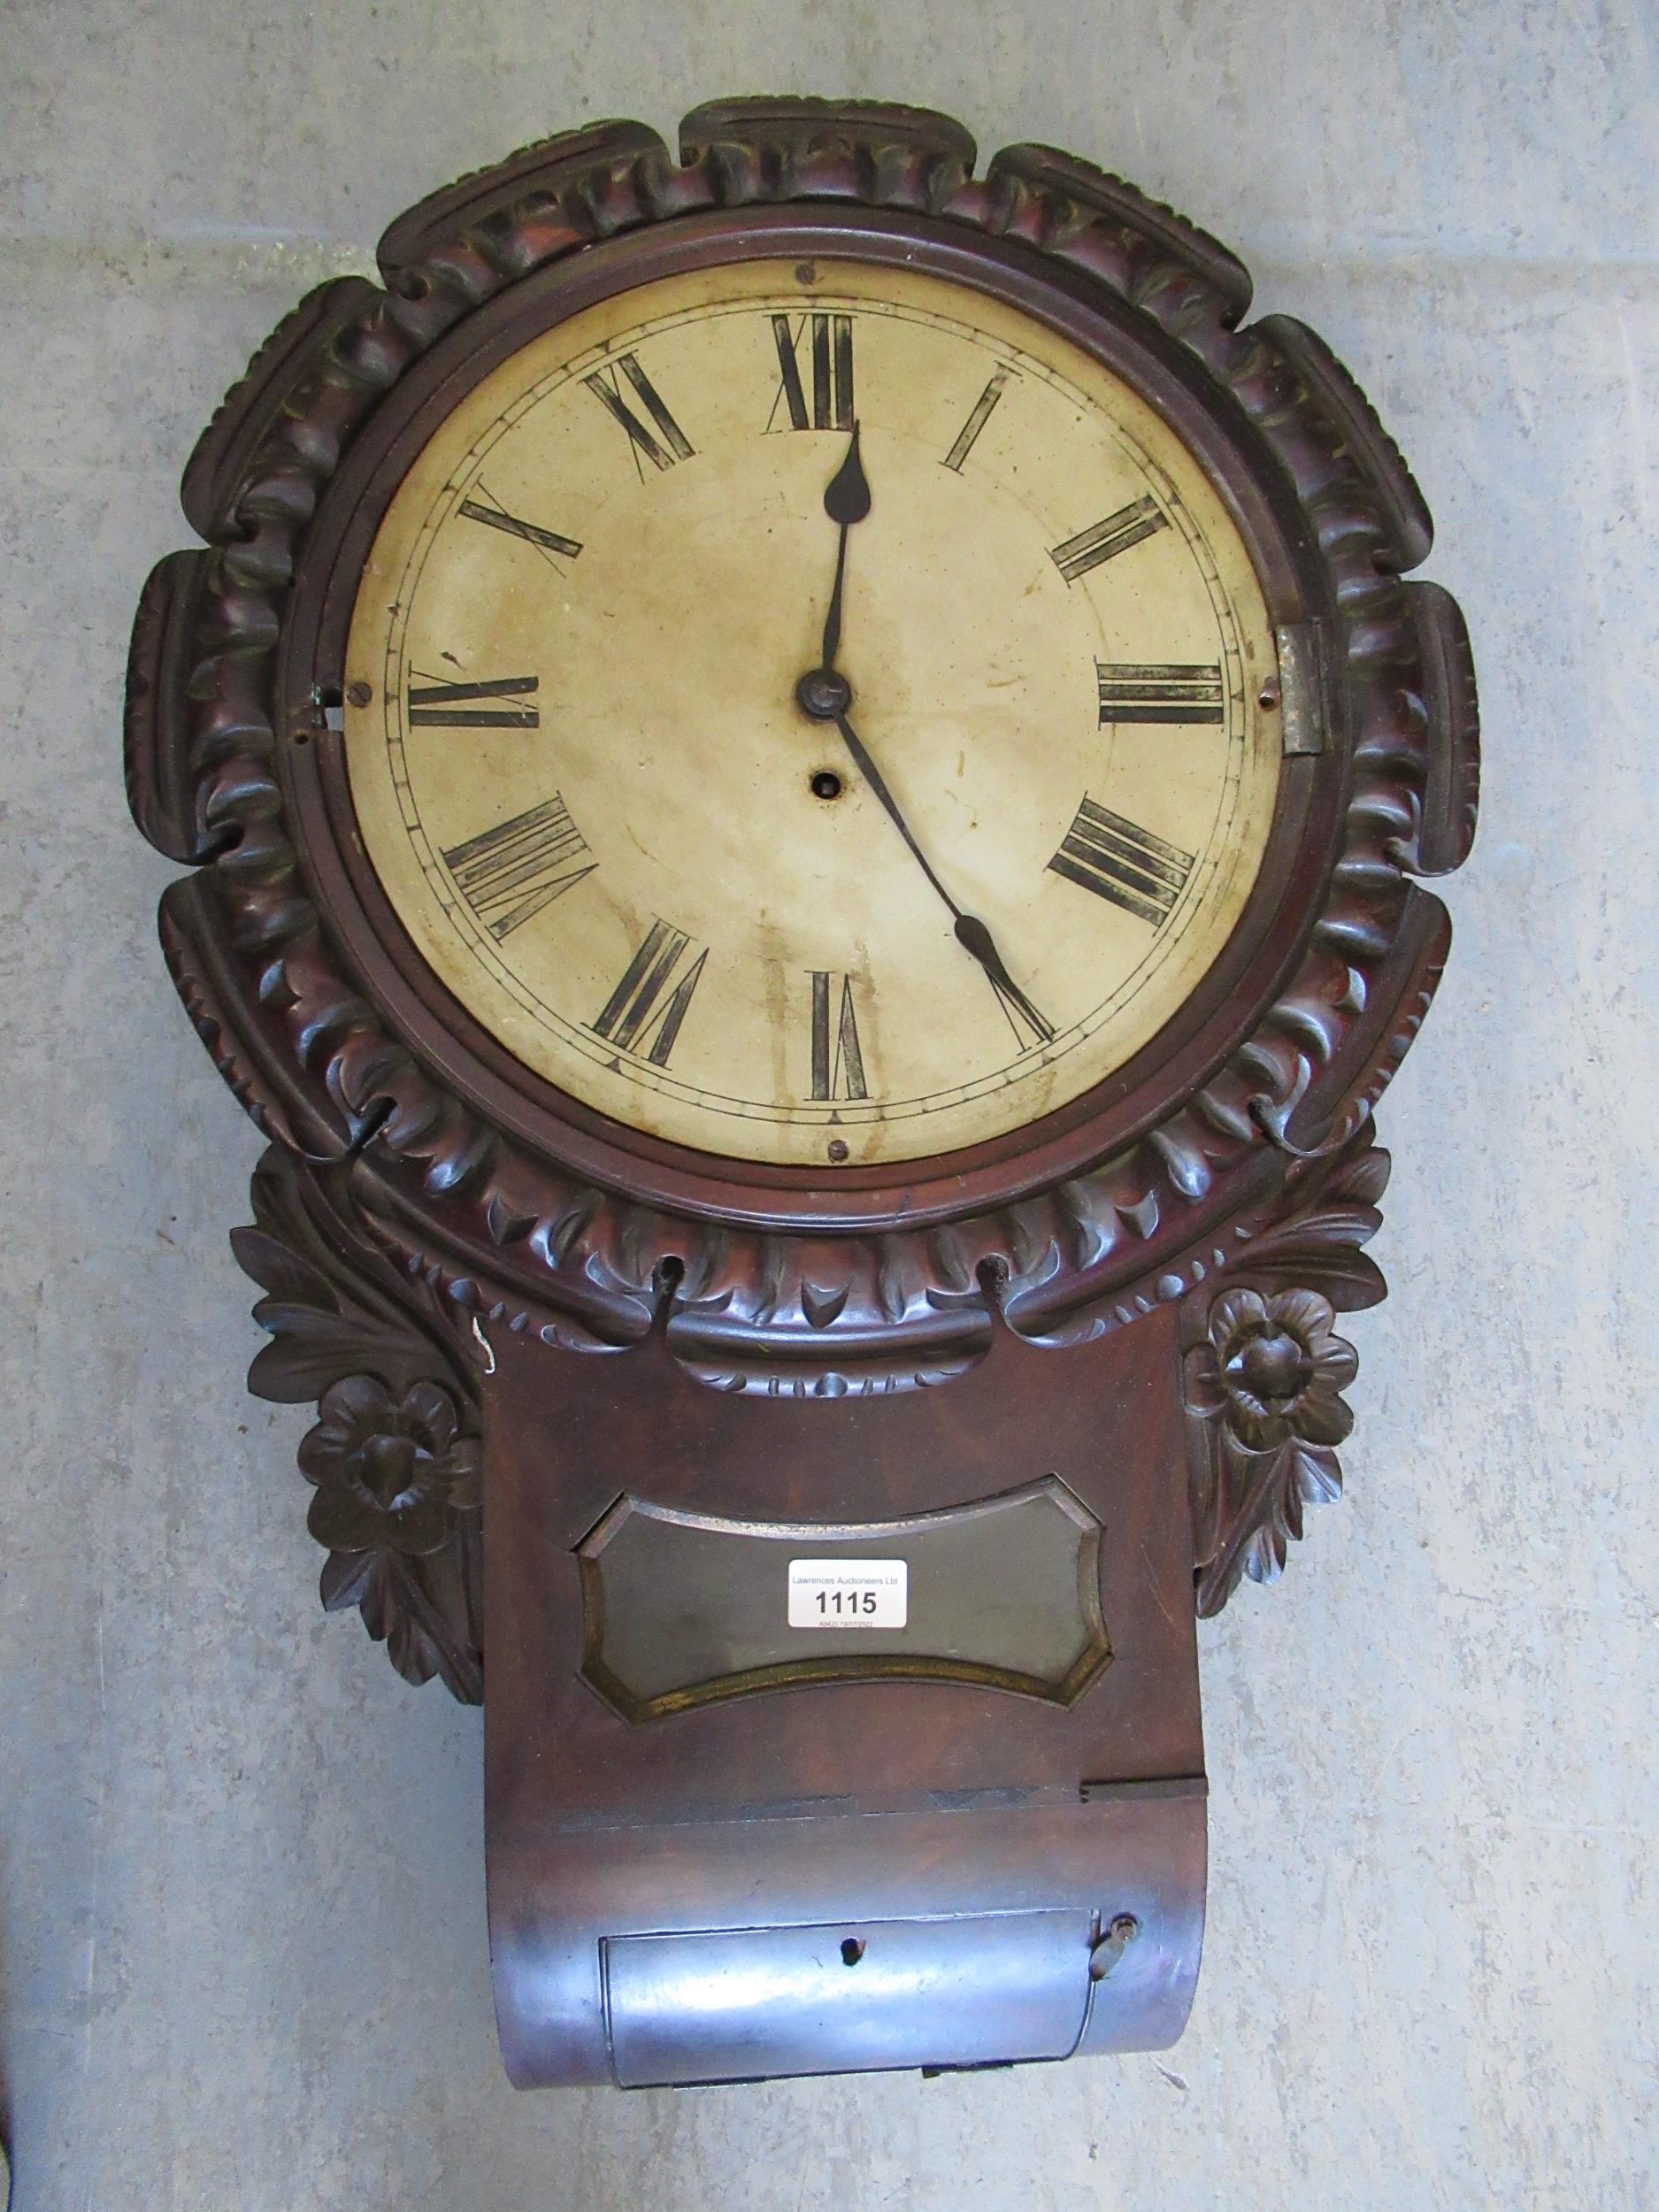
{"x": 812, "y": 1173}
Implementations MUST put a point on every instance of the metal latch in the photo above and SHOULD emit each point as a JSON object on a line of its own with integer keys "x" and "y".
{"x": 1112, "y": 1944}
{"x": 1303, "y": 686}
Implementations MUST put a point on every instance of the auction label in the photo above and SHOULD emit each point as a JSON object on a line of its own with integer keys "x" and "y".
{"x": 849, "y": 1593}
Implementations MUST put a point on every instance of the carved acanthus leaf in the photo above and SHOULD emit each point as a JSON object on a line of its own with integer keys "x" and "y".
{"x": 395, "y": 1454}
{"x": 1254, "y": 1512}
{"x": 428, "y": 1613}
{"x": 1264, "y": 1371}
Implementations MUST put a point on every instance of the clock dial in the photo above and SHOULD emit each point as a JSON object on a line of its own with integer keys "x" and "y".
{"x": 811, "y": 713}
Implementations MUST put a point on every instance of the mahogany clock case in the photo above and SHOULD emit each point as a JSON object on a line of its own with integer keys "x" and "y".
{"x": 1134, "y": 1299}
{"x": 337, "y": 1034}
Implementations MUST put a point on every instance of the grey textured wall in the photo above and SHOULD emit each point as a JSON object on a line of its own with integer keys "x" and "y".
{"x": 241, "y": 1943}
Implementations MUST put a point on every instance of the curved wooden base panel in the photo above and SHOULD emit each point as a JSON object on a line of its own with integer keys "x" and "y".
{"x": 873, "y": 1871}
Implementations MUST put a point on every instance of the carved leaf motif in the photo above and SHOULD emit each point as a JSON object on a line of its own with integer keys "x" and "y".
{"x": 1351, "y": 1281}
{"x": 315, "y": 1346}
{"x": 336, "y": 1306}
{"x": 1318, "y": 1243}
{"x": 395, "y": 1454}
{"x": 1257, "y": 1511}
{"x": 1264, "y": 1371}
{"x": 275, "y": 1266}
{"x": 1362, "y": 1176}
{"x": 412, "y": 1606}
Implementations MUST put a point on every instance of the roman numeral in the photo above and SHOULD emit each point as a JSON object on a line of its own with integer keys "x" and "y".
{"x": 832, "y": 372}
{"x": 436, "y": 706}
{"x": 633, "y": 1018}
{"x": 606, "y": 386}
{"x": 1160, "y": 691}
{"x": 488, "y": 509}
{"x": 977, "y": 421}
{"x": 1119, "y": 861}
{"x": 508, "y": 873}
{"x": 838, "y": 1060}
{"x": 1102, "y": 540}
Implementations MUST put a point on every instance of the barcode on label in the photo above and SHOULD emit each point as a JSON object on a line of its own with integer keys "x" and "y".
{"x": 849, "y": 1593}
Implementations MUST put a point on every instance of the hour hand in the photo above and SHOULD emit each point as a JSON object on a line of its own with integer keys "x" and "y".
{"x": 847, "y": 499}
{"x": 845, "y": 503}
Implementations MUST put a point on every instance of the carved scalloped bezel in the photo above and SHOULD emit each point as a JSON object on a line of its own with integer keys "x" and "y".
{"x": 529, "y": 1213}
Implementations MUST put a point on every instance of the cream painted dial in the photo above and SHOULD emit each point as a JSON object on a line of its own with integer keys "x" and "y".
{"x": 1040, "y": 783}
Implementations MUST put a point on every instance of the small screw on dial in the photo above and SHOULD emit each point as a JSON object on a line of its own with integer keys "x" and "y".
{"x": 837, "y": 1150}
{"x": 359, "y": 693}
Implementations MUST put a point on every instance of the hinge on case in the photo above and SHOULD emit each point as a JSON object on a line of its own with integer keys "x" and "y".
{"x": 1303, "y": 686}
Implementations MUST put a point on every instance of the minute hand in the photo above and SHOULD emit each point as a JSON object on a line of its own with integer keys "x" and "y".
{"x": 971, "y": 934}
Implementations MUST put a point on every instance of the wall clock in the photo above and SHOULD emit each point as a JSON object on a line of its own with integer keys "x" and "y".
{"x": 803, "y": 775}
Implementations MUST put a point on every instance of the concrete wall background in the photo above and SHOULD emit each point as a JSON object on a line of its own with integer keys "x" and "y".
{"x": 241, "y": 1942}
